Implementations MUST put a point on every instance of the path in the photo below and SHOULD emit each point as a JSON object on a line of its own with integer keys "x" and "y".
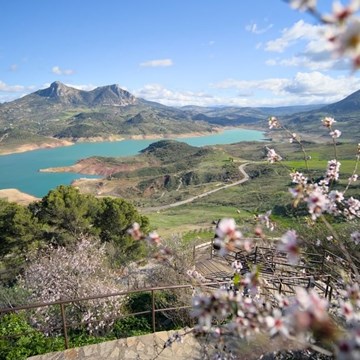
{"x": 189, "y": 200}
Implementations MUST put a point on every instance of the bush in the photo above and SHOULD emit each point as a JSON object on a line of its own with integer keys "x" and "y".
{"x": 18, "y": 340}
{"x": 131, "y": 326}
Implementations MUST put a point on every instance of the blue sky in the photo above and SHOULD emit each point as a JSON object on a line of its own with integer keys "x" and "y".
{"x": 177, "y": 52}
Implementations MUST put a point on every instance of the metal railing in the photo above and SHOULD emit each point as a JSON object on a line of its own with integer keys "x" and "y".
{"x": 66, "y": 302}
{"x": 282, "y": 285}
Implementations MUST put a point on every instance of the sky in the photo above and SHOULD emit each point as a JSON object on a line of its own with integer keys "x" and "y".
{"x": 176, "y": 52}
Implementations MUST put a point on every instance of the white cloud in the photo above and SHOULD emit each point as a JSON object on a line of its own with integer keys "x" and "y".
{"x": 318, "y": 84}
{"x": 303, "y": 88}
{"x": 86, "y": 87}
{"x": 290, "y": 36}
{"x": 253, "y": 28}
{"x": 274, "y": 85}
{"x": 158, "y": 93}
{"x": 58, "y": 71}
{"x": 12, "y": 88}
{"x": 12, "y": 92}
{"x": 157, "y": 63}
{"x": 315, "y": 52}
{"x": 313, "y": 62}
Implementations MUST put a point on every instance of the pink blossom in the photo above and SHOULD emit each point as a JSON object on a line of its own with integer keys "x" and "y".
{"x": 273, "y": 122}
{"x": 347, "y": 310}
{"x": 272, "y": 156}
{"x": 349, "y": 39}
{"x": 226, "y": 228}
{"x": 277, "y": 324}
{"x": 298, "y": 178}
{"x": 336, "y": 196}
{"x": 317, "y": 203}
{"x": 289, "y": 245}
{"x": 135, "y": 231}
{"x": 328, "y": 121}
{"x": 293, "y": 138}
{"x": 303, "y": 5}
{"x": 340, "y": 12}
{"x": 353, "y": 178}
{"x": 332, "y": 172}
{"x": 353, "y": 208}
{"x": 312, "y": 303}
{"x": 345, "y": 350}
{"x": 153, "y": 238}
{"x": 335, "y": 134}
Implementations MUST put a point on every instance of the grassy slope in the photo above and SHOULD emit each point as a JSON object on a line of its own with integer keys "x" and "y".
{"x": 166, "y": 174}
{"x": 267, "y": 190}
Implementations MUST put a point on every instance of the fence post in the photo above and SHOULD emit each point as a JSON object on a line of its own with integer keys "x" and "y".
{"x": 62, "y": 309}
{"x": 323, "y": 261}
{"x": 327, "y": 286}
{"x": 153, "y": 310}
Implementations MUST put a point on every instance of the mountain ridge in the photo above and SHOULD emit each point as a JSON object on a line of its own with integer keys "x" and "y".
{"x": 63, "y": 112}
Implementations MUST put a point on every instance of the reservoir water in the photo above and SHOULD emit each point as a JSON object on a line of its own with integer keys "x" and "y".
{"x": 21, "y": 171}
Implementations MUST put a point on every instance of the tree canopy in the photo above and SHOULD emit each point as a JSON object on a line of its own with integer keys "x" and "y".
{"x": 62, "y": 217}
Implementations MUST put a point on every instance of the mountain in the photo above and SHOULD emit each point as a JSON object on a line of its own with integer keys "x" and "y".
{"x": 64, "y": 112}
{"x": 348, "y": 105}
{"x": 101, "y": 96}
{"x": 346, "y": 113}
{"x": 289, "y": 110}
{"x": 61, "y": 111}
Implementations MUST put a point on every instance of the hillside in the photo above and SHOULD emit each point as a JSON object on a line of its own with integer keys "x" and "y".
{"x": 346, "y": 113}
{"x": 164, "y": 172}
{"x": 15, "y": 141}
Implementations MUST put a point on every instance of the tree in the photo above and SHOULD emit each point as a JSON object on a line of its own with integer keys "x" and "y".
{"x": 73, "y": 272}
{"x": 68, "y": 213}
{"x": 19, "y": 232}
{"x": 114, "y": 218}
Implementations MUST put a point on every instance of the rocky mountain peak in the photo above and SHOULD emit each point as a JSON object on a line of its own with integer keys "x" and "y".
{"x": 107, "y": 95}
{"x": 58, "y": 90}
{"x": 113, "y": 95}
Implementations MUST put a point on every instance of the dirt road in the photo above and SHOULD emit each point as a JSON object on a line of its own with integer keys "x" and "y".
{"x": 189, "y": 200}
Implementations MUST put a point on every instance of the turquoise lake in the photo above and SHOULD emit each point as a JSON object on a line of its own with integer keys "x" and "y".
{"x": 21, "y": 171}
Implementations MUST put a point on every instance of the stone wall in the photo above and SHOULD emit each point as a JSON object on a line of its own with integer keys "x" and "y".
{"x": 144, "y": 347}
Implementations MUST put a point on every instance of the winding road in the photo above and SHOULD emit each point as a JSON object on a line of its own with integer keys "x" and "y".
{"x": 189, "y": 200}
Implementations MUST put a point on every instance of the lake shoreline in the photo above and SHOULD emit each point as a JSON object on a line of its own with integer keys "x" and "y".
{"x": 114, "y": 138}
{"x": 31, "y": 147}
{"x": 21, "y": 171}
{"x": 17, "y": 196}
